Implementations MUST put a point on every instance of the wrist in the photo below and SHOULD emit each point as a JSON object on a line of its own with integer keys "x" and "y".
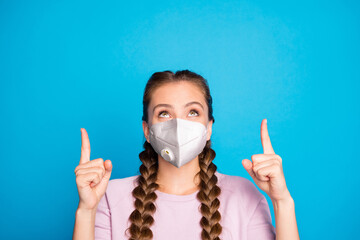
{"x": 286, "y": 203}
{"x": 85, "y": 213}
{"x": 81, "y": 210}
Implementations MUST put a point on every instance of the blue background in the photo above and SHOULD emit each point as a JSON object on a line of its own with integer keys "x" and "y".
{"x": 71, "y": 64}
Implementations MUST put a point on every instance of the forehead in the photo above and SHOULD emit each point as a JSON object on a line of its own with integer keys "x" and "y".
{"x": 177, "y": 93}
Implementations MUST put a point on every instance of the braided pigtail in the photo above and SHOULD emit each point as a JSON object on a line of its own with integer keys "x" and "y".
{"x": 142, "y": 217}
{"x": 208, "y": 195}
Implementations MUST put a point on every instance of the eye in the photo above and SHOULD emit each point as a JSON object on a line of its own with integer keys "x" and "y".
{"x": 192, "y": 112}
{"x": 163, "y": 114}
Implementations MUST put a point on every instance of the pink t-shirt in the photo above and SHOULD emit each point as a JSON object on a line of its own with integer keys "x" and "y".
{"x": 245, "y": 213}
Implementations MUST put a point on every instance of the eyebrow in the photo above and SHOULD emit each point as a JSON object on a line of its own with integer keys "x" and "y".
{"x": 170, "y": 106}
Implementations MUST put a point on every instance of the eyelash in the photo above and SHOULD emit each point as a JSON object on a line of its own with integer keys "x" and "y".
{"x": 190, "y": 111}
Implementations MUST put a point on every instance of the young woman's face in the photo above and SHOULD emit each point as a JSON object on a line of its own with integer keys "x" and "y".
{"x": 178, "y": 100}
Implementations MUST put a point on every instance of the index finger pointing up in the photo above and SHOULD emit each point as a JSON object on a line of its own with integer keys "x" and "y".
{"x": 265, "y": 139}
{"x": 85, "y": 147}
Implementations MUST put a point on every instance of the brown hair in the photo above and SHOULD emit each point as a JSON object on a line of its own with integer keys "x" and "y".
{"x": 142, "y": 217}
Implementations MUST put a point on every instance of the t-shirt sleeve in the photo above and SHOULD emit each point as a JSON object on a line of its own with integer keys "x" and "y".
{"x": 103, "y": 220}
{"x": 260, "y": 226}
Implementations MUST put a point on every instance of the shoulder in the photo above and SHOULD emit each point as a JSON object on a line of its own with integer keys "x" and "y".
{"x": 237, "y": 184}
{"x": 240, "y": 190}
{"x": 123, "y": 183}
{"x": 120, "y": 189}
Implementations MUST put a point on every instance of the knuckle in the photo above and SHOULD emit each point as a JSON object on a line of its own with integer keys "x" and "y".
{"x": 78, "y": 172}
{"x": 275, "y": 161}
{"x": 78, "y": 180}
{"x": 98, "y": 161}
{"x": 78, "y": 166}
{"x": 101, "y": 170}
{"x": 95, "y": 174}
{"x": 97, "y": 178}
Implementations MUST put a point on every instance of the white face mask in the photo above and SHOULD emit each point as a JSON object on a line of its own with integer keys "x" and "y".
{"x": 177, "y": 140}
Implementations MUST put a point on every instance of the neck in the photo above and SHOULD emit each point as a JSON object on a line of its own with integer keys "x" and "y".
{"x": 178, "y": 181}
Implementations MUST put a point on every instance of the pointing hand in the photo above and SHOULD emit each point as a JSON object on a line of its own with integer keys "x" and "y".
{"x": 266, "y": 169}
{"x": 92, "y": 177}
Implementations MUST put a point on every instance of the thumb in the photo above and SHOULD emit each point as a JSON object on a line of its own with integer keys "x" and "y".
{"x": 248, "y": 167}
{"x": 105, "y": 180}
{"x": 108, "y": 169}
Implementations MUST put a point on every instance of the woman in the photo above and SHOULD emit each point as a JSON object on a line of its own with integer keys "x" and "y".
{"x": 179, "y": 193}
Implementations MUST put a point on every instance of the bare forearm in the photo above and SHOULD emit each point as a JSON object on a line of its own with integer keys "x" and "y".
{"x": 84, "y": 224}
{"x": 285, "y": 220}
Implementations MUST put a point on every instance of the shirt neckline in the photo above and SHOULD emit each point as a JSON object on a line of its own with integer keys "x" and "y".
{"x": 182, "y": 198}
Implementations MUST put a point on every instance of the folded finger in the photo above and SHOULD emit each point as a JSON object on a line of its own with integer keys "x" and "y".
{"x": 99, "y": 162}
{"x": 268, "y": 172}
{"x": 98, "y": 170}
{"x": 265, "y": 164}
{"x": 258, "y": 158}
{"x": 84, "y": 180}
